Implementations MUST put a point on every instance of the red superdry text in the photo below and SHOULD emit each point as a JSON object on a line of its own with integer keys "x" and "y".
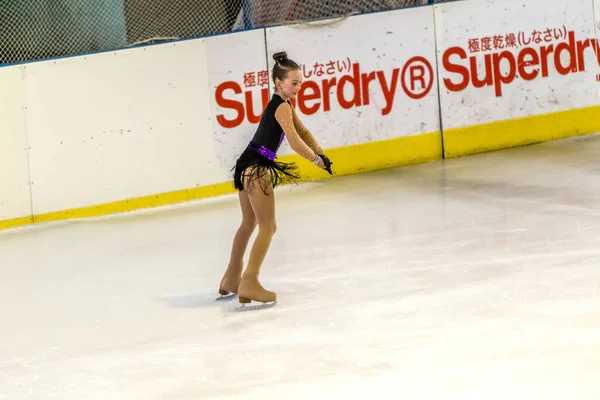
{"x": 528, "y": 63}
{"x": 415, "y": 79}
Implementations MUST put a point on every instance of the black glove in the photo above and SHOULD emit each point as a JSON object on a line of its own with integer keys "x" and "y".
{"x": 327, "y": 163}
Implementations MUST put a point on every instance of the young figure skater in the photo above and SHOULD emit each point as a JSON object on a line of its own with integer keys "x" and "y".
{"x": 256, "y": 174}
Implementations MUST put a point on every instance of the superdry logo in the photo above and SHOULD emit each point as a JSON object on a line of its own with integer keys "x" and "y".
{"x": 352, "y": 89}
{"x": 527, "y": 62}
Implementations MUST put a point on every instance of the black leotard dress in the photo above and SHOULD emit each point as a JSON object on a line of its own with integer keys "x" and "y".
{"x": 262, "y": 150}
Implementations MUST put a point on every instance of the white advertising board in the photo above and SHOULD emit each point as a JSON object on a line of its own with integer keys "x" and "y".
{"x": 119, "y": 125}
{"x": 597, "y": 20}
{"x": 113, "y": 126}
{"x": 15, "y": 198}
{"x": 597, "y": 14}
{"x": 366, "y": 78}
{"x": 502, "y": 60}
{"x": 239, "y": 90}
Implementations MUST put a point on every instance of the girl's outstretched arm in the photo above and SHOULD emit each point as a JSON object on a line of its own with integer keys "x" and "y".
{"x": 284, "y": 115}
{"x": 305, "y": 134}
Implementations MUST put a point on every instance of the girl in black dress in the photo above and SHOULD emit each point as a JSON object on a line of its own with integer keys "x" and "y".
{"x": 256, "y": 174}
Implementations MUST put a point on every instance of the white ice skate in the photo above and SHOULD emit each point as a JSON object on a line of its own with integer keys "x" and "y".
{"x": 225, "y": 295}
{"x": 246, "y": 304}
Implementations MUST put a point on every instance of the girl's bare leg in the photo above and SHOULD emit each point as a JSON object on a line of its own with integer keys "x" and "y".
{"x": 233, "y": 275}
{"x": 263, "y": 205}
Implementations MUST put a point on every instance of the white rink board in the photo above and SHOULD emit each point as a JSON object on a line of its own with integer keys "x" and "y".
{"x": 239, "y": 90}
{"x": 460, "y": 22}
{"x": 144, "y": 121}
{"x": 597, "y": 20}
{"x": 380, "y": 44}
{"x": 15, "y": 198}
{"x": 120, "y": 125}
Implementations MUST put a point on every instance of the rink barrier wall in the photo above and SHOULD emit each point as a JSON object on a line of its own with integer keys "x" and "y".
{"x": 142, "y": 130}
{"x": 520, "y": 131}
{"x": 372, "y": 155}
{"x": 15, "y": 194}
{"x": 539, "y": 70}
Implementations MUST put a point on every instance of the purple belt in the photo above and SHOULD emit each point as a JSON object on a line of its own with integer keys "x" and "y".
{"x": 262, "y": 150}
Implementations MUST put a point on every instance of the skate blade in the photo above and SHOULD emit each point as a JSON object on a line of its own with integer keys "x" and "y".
{"x": 226, "y": 297}
{"x": 245, "y": 307}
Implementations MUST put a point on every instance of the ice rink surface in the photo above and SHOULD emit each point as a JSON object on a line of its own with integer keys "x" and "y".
{"x": 472, "y": 278}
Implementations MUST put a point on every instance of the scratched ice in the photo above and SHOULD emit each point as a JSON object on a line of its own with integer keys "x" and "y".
{"x": 474, "y": 278}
